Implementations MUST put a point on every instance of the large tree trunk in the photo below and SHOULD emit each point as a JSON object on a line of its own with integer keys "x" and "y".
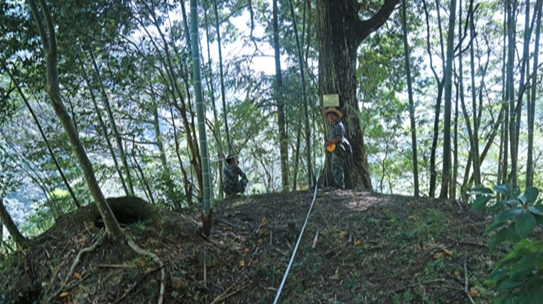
{"x": 340, "y": 31}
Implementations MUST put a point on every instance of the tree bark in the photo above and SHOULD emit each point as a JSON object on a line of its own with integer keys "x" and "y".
{"x": 531, "y": 103}
{"x": 340, "y": 31}
{"x": 414, "y": 158}
{"x": 279, "y": 96}
{"x": 5, "y": 218}
{"x": 446, "y": 172}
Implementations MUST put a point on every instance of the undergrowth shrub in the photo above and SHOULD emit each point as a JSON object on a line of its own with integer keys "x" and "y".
{"x": 517, "y": 277}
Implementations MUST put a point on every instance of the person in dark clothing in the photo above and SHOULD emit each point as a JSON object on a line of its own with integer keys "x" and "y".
{"x": 337, "y": 138}
{"x": 231, "y": 173}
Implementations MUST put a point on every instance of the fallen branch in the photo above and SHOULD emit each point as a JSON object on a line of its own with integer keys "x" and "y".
{"x": 155, "y": 258}
{"x": 226, "y": 295}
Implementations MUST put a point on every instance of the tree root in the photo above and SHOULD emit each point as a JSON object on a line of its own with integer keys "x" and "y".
{"x": 155, "y": 258}
{"x": 99, "y": 240}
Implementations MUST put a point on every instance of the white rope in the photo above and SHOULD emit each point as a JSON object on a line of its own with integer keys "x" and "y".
{"x": 297, "y": 243}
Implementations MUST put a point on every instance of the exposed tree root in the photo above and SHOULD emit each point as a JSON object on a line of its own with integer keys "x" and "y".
{"x": 99, "y": 240}
{"x": 155, "y": 258}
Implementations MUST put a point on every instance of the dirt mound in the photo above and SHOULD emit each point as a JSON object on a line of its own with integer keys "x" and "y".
{"x": 357, "y": 247}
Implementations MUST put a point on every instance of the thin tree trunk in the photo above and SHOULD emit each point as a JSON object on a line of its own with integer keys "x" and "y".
{"x": 304, "y": 100}
{"x": 279, "y": 96}
{"x": 437, "y": 112}
{"x": 223, "y": 97}
{"x": 104, "y": 128}
{"x": 147, "y": 189}
{"x": 504, "y": 135}
{"x": 200, "y": 109}
{"x": 510, "y": 90}
{"x": 411, "y": 103}
{"x": 166, "y": 172}
{"x": 113, "y": 126}
{"x": 474, "y": 138}
{"x": 532, "y": 101}
{"x": 446, "y": 172}
{"x": 217, "y": 131}
{"x": 296, "y": 157}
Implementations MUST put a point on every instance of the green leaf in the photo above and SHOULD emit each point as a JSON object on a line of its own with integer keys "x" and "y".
{"x": 496, "y": 207}
{"x": 506, "y": 299}
{"x": 513, "y": 201}
{"x": 497, "y": 239}
{"x": 507, "y": 215}
{"x": 539, "y": 219}
{"x": 513, "y": 235}
{"x": 525, "y": 224}
{"x": 508, "y": 285}
{"x": 534, "y": 294}
{"x": 536, "y": 209}
{"x": 477, "y": 190}
{"x": 531, "y": 194}
{"x": 480, "y": 202}
{"x": 494, "y": 226}
{"x": 525, "y": 266}
{"x": 502, "y": 189}
{"x": 496, "y": 275}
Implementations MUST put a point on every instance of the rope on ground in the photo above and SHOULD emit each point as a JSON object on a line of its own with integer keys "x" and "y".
{"x": 297, "y": 243}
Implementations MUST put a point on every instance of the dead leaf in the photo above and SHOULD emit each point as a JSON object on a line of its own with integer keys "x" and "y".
{"x": 457, "y": 273}
{"x": 342, "y": 235}
{"x": 448, "y": 252}
{"x": 142, "y": 263}
{"x": 77, "y": 275}
{"x": 247, "y": 250}
{"x": 147, "y": 270}
{"x": 241, "y": 263}
{"x": 438, "y": 255}
{"x": 474, "y": 293}
{"x": 65, "y": 294}
{"x": 264, "y": 221}
{"x": 359, "y": 242}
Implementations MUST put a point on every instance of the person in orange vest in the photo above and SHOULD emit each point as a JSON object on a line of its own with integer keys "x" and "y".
{"x": 342, "y": 146}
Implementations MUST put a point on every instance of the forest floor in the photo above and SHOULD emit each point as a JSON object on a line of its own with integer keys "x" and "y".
{"x": 357, "y": 247}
